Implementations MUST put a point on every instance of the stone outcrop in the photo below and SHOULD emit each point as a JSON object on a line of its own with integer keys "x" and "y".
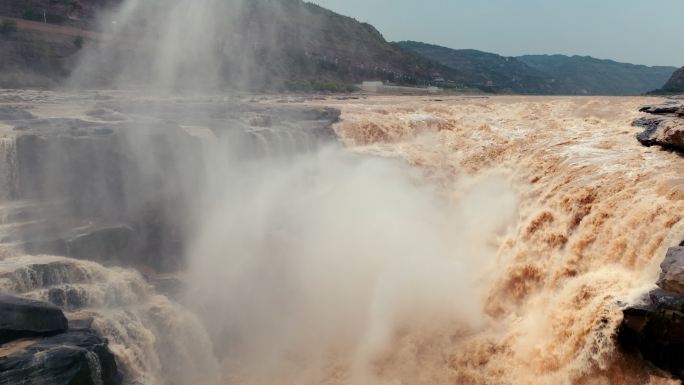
{"x": 20, "y": 317}
{"x": 672, "y": 271}
{"x": 665, "y": 128}
{"x": 77, "y": 357}
{"x": 111, "y": 303}
{"x": 665, "y": 132}
{"x": 655, "y": 328}
{"x": 39, "y": 346}
{"x": 672, "y": 107}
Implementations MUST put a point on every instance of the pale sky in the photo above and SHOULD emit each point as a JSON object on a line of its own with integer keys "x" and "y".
{"x": 636, "y": 31}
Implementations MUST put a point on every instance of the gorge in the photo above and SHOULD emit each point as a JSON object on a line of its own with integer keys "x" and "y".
{"x": 156, "y": 229}
{"x": 291, "y": 259}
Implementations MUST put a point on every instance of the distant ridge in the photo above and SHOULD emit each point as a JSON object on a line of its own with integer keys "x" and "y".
{"x": 300, "y": 46}
{"x": 675, "y": 85}
{"x": 295, "y": 45}
{"x": 487, "y": 71}
{"x": 591, "y": 76}
{"x": 546, "y": 74}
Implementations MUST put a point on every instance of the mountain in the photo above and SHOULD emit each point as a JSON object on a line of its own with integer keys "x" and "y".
{"x": 675, "y": 85}
{"x": 268, "y": 45}
{"x": 485, "y": 70}
{"x": 282, "y": 45}
{"x": 74, "y": 13}
{"x": 590, "y": 76}
{"x": 40, "y": 39}
{"x": 544, "y": 74}
{"x": 306, "y": 43}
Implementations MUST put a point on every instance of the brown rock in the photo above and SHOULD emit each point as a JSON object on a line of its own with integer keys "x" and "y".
{"x": 667, "y": 132}
{"x": 672, "y": 271}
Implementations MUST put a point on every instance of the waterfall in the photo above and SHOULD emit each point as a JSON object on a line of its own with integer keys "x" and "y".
{"x": 597, "y": 211}
{"x": 8, "y": 169}
{"x": 497, "y": 250}
{"x": 156, "y": 341}
{"x": 263, "y": 143}
{"x": 95, "y": 368}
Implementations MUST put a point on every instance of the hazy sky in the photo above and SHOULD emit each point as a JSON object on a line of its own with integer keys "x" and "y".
{"x": 636, "y": 31}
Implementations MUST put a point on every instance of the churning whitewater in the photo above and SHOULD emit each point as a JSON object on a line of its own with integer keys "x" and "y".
{"x": 407, "y": 240}
{"x": 471, "y": 241}
{"x": 596, "y": 212}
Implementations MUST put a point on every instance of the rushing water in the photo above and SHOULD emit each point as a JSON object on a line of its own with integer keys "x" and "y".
{"x": 470, "y": 241}
{"x": 155, "y": 340}
{"x": 596, "y": 213}
{"x": 461, "y": 241}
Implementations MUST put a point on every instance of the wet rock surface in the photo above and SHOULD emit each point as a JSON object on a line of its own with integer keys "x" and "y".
{"x": 77, "y": 357}
{"x": 666, "y": 128}
{"x": 672, "y": 107}
{"x": 20, "y": 317}
{"x": 112, "y": 242}
{"x": 115, "y": 306}
{"x": 672, "y": 271}
{"x": 655, "y": 328}
{"x": 39, "y": 346}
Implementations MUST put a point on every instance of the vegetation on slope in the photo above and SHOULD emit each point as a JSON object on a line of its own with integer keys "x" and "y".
{"x": 546, "y": 74}
{"x": 291, "y": 45}
{"x": 31, "y": 59}
{"x": 587, "y": 75}
{"x": 304, "y": 42}
{"x": 675, "y": 85}
{"x": 295, "y": 45}
{"x": 75, "y": 13}
{"x": 486, "y": 70}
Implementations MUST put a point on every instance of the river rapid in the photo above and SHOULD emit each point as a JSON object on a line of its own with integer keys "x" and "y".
{"x": 448, "y": 240}
{"x": 595, "y": 214}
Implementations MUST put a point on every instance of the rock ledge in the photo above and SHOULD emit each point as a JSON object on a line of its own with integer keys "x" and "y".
{"x": 666, "y": 129}
{"x": 38, "y": 348}
{"x": 655, "y": 328}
